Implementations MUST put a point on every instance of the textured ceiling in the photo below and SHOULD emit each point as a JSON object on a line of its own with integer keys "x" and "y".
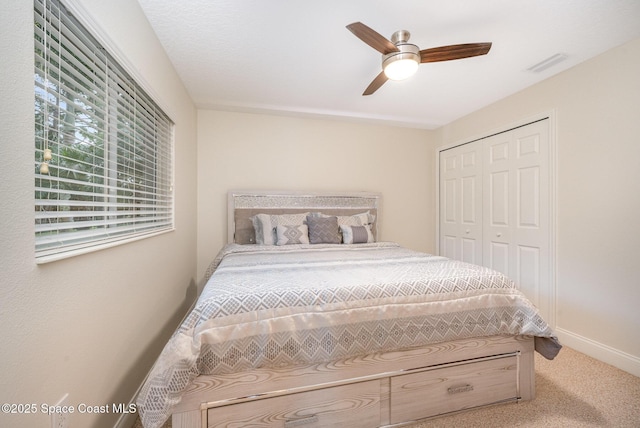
{"x": 297, "y": 57}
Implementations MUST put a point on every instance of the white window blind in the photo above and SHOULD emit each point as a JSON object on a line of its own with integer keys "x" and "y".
{"x": 103, "y": 148}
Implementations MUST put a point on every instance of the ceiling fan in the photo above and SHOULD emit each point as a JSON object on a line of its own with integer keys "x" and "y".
{"x": 400, "y": 59}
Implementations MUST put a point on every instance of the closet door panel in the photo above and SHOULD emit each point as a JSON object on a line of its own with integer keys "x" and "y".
{"x": 470, "y": 248}
{"x": 448, "y": 246}
{"x": 498, "y": 202}
{"x": 531, "y": 229}
{"x": 498, "y": 197}
{"x": 471, "y": 215}
{"x": 461, "y": 203}
{"x": 528, "y": 197}
{"x": 528, "y": 271}
{"x": 516, "y": 235}
{"x": 498, "y": 256}
{"x": 498, "y": 147}
{"x": 449, "y": 221}
{"x": 497, "y": 226}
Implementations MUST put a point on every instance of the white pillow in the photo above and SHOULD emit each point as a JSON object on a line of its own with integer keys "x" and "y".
{"x": 265, "y": 225}
{"x": 361, "y": 219}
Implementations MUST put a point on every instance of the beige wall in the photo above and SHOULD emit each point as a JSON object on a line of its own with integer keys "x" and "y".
{"x": 251, "y": 151}
{"x": 91, "y": 325}
{"x": 597, "y": 106}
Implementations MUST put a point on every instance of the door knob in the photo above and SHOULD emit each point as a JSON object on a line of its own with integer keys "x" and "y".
{"x": 467, "y": 231}
{"x": 498, "y": 234}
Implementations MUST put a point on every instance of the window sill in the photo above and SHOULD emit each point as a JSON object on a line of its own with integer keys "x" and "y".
{"x": 73, "y": 252}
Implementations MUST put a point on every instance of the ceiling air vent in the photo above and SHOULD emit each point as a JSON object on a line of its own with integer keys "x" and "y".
{"x": 549, "y": 62}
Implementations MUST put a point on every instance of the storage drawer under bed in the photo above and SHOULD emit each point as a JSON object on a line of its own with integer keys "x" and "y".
{"x": 400, "y": 398}
{"x": 450, "y": 389}
{"x": 354, "y": 405}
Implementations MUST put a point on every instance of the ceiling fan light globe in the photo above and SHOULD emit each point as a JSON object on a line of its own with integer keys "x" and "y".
{"x": 402, "y": 64}
{"x": 401, "y": 69}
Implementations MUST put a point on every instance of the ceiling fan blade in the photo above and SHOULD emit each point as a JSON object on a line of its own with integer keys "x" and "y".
{"x": 376, "y": 83}
{"x": 372, "y": 38}
{"x": 447, "y": 53}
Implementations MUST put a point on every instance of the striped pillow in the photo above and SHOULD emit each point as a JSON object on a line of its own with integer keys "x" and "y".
{"x": 356, "y": 234}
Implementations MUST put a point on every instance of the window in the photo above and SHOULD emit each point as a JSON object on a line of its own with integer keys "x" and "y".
{"x": 103, "y": 148}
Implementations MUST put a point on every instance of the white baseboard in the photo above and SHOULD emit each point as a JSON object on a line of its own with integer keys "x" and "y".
{"x": 627, "y": 362}
{"x": 126, "y": 420}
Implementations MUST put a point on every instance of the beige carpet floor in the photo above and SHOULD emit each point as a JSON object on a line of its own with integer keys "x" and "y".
{"x": 573, "y": 390}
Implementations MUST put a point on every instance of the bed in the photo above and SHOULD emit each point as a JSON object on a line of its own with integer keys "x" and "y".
{"x": 309, "y": 319}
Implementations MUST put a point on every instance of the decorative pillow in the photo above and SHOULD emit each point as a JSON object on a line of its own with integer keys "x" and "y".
{"x": 323, "y": 230}
{"x": 351, "y": 220}
{"x": 356, "y": 234}
{"x": 288, "y": 234}
{"x": 265, "y": 225}
{"x": 361, "y": 219}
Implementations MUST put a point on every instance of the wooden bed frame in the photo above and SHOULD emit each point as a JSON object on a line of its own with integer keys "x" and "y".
{"x": 375, "y": 390}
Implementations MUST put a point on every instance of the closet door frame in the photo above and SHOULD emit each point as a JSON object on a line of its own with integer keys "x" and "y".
{"x": 551, "y": 117}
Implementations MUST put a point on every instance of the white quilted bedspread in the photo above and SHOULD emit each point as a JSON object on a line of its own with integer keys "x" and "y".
{"x": 299, "y": 304}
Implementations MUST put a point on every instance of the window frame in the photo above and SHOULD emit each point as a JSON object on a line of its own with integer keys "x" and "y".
{"x": 132, "y": 147}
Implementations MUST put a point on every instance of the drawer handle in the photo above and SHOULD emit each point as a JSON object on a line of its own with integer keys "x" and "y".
{"x": 290, "y": 423}
{"x": 459, "y": 389}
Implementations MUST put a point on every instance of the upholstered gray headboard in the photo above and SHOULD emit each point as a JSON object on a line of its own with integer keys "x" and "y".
{"x": 242, "y": 205}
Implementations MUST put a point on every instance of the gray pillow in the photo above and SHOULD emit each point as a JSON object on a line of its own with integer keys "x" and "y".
{"x": 323, "y": 230}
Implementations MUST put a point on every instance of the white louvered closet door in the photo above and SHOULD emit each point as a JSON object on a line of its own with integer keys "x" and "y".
{"x": 461, "y": 203}
{"x": 495, "y": 207}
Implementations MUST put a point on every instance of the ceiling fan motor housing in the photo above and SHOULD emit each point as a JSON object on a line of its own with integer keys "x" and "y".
{"x": 400, "y": 36}
{"x": 407, "y": 51}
